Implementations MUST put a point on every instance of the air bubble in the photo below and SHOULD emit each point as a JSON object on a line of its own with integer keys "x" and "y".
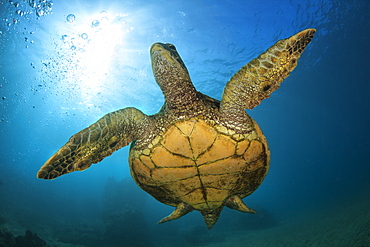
{"x": 103, "y": 15}
{"x": 84, "y": 36}
{"x": 71, "y": 18}
{"x": 40, "y": 12}
{"x": 20, "y": 12}
{"x": 65, "y": 38}
{"x": 95, "y": 23}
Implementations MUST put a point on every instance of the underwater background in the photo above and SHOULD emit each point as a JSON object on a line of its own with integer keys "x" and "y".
{"x": 64, "y": 64}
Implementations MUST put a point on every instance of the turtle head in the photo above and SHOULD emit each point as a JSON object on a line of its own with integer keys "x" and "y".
{"x": 167, "y": 64}
{"x": 173, "y": 78}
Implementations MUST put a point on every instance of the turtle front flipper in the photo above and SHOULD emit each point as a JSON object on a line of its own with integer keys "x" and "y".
{"x": 110, "y": 133}
{"x": 256, "y": 80}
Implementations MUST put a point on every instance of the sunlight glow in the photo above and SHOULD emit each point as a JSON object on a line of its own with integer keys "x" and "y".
{"x": 97, "y": 56}
{"x": 88, "y": 50}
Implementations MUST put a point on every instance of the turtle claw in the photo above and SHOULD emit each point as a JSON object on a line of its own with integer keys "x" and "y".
{"x": 181, "y": 209}
{"x": 235, "y": 202}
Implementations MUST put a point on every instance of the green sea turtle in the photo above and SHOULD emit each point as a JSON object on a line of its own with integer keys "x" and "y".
{"x": 196, "y": 153}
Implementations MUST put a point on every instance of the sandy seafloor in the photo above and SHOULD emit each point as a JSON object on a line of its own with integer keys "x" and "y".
{"x": 345, "y": 224}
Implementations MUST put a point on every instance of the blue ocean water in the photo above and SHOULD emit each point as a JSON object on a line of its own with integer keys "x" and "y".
{"x": 64, "y": 64}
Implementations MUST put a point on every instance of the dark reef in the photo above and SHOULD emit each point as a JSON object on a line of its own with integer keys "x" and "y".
{"x": 29, "y": 239}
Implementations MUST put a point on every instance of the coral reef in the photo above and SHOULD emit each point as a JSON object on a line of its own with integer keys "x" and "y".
{"x": 30, "y": 239}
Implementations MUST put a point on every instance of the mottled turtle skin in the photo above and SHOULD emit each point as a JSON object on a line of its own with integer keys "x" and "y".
{"x": 196, "y": 153}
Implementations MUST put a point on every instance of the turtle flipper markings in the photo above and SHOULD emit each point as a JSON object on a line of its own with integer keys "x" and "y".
{"x": 110, "y": 133}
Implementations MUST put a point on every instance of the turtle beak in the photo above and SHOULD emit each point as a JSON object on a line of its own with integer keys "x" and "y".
{"x": 166, "y": 57}
{"x": 166, "y": 51}
{"x": 156, "y": 48}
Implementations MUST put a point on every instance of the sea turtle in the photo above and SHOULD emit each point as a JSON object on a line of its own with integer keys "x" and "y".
{"x": 196, "y": 153}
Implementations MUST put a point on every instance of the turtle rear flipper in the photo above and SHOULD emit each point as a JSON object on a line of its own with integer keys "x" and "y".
{"x": 256, "y": 80}
{"x": 110, "y": 133}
